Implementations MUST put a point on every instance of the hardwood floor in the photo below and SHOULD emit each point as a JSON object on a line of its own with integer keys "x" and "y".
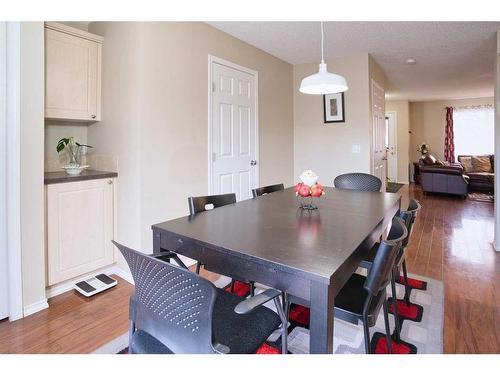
{"x": 452, "y": 242}
{"x": 72, "y": 323}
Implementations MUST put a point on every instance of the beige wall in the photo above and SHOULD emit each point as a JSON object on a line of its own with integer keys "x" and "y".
{"x": 32, "y": 189}
{"x": 155, "y": 116}
{"x": 402, "y": 109}
{"x": 427, "y": 123}
{"x": 327, "y": 148}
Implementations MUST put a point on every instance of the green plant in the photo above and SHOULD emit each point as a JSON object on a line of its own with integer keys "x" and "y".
{"x": 73, "y": 147}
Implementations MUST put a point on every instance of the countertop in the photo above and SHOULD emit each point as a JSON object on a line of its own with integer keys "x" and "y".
{"x": 88, "y": 174}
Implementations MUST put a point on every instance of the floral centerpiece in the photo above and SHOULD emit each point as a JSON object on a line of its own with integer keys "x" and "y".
{"x": 307, "y": 189}
{"x": 423, "y": 149}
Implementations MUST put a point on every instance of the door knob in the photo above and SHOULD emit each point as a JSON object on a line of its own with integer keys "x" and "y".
{"x": 253, "y": 162}
{"x": 93, "y": 116}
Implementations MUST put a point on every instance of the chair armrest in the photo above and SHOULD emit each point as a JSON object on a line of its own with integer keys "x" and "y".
{"x": 163, "y": 254}
{"x": 246, "y": 306}
{"x": 166, "y": 255}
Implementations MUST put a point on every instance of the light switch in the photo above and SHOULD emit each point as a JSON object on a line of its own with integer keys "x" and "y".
{"x": 356, "y": 149}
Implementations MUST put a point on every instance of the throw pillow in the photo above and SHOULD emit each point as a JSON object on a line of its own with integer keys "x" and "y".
{"x": 466, "y": 162}
{"x": 481, "y": 164}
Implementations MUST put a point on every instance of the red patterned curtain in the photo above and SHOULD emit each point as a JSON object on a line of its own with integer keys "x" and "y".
{"x": 449, "y": 143}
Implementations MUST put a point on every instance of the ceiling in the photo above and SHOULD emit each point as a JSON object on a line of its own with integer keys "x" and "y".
{"x": 454, "y": 60}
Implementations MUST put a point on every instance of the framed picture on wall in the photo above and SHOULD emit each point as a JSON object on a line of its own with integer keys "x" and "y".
{"x": 333, "y": 107}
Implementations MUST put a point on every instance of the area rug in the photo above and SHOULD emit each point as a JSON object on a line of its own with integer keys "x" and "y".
{"x": 482, "y": 197}
{"x": 393, "y": 187}
{"x": 426, "y": 335}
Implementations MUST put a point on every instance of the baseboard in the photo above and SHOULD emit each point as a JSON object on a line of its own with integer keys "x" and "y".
{"x": 125, "y": 275}
{"x": 68, "y": 285}
{"x": 35, "y": 307}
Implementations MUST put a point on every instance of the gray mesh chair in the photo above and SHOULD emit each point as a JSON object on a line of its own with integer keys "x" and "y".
{"x": 357, "y": 181}
{"x": 177, "y": 311}
{"x": 267, "y": 190}
{"x": 206, "y": 203}
{"x": 209, "y": 202}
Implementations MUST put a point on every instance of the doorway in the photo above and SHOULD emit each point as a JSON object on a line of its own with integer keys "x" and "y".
{"x": 378, "y": 133}
{"x": 391, "y": 132}
{"x": 233, "y": 129}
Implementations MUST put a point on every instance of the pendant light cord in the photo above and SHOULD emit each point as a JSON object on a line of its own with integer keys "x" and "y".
{"x": 322, "y": 36}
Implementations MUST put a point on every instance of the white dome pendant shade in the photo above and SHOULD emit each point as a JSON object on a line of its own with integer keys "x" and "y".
{"x": 323, "y": 82}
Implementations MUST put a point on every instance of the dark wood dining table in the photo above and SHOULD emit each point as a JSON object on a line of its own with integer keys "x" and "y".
{"x": 309, "y": 254}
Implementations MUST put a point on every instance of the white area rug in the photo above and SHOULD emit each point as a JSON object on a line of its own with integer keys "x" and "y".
{"x": 426, "y": 335}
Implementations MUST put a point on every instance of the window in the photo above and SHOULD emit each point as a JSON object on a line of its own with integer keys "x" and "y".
{"x": 474, "y": 130}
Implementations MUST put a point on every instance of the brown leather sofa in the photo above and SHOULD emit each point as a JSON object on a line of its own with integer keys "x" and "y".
{"x": 439, "y": 177}
{"x": 482, "y": 179}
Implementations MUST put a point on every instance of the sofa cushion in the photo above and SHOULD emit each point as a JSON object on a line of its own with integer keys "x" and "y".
{"x": 481, "y": 164}
{"x": 481, "y": 176}
{"x": 466, "y": 162}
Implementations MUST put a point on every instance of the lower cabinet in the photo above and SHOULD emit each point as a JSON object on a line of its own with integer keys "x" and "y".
{"x": 79, "y": 228}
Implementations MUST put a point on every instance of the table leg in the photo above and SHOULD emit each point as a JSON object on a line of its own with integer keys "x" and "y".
{"x": 156, "y": 242}
{"x": 321, "y": 324}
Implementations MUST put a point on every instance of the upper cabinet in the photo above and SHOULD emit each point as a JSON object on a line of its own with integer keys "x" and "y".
{"x": 72, "y": 73}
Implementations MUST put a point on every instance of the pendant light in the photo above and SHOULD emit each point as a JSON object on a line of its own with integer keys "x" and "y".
{"x": 323, "y": 82}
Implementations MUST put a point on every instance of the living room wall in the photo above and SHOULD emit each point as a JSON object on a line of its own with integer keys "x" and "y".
{"x": 427, "y": 123}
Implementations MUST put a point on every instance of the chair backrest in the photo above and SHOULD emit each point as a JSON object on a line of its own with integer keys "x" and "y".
{"x": 357, "y": 181}
{"x": 171, "y": 304}
{"x": 267, "y": 190}
{"x": 409, "y": 216}
{"x": 380, "y": 272}
{"x": 199, "y": 204}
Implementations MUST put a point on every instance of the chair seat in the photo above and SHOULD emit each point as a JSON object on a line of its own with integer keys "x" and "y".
{"x": 350, "y": 300}
{"x": 243, "y": 334}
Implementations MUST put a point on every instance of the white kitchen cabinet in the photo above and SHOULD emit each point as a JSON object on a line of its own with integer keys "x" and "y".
{"x": 72, "y": 73}
{"x": 79, "y": 228}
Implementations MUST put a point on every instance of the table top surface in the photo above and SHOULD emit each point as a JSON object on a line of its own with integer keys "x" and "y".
{"x": 272, "y": 228}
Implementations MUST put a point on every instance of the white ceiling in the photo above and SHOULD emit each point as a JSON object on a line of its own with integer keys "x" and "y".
{"x": 455, "y": 60}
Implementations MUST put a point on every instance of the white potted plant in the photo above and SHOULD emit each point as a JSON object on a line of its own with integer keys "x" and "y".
{"x": 74, "y": 150}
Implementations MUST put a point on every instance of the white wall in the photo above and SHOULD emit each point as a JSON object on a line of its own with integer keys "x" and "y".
{"x": 32, "y": 165}
{"x": 327, "y": 148}
{"x": 497, "y": 144}
{"x": 155, "y": 116}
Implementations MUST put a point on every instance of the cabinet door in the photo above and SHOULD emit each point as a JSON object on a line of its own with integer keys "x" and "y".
{"x": 79, "y": 228}
{"x": 72, "y": 77}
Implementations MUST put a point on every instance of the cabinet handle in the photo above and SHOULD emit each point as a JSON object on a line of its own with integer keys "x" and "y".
{"x": 110, "y": 182}
{"x": 93, "y": 116}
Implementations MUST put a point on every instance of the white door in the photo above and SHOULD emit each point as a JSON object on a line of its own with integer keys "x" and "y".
{"x": 378, "y": 126}
{"x": 391, "y": 146}
{"x": 4, "y": 294}
{"x": 233, "y": 131}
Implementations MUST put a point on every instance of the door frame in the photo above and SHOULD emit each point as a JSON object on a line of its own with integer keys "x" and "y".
{"x": 395, "y": 114}
{"x": 11, "y": 158}
{"x": 217, "y": 60}
{"x": 372, "y": 161}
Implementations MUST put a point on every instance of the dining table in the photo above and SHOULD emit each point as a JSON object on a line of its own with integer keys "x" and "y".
{"x": 307, "y": 254}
